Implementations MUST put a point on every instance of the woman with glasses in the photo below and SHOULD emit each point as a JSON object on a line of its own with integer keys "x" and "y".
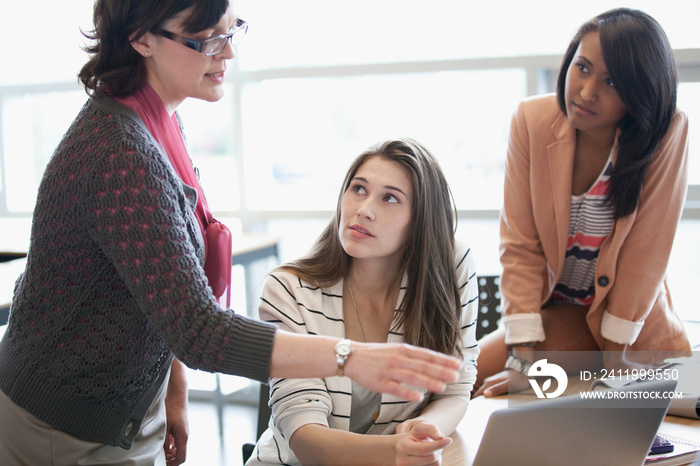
{"x": 386, "y": 268}
{"x": 596, "y": 179}
{"x": 126, "y": 264}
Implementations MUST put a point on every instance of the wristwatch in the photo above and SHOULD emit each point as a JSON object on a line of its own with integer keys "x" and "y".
{"x": 343, "y": 350}
{"x": 518, "y": 365}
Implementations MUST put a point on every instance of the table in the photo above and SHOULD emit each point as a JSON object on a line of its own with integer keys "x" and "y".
{"x": 248, "y": 249}
{"x": 467, "y": 437}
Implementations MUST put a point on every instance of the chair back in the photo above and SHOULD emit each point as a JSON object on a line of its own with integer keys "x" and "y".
{"x": 489, "y": 305}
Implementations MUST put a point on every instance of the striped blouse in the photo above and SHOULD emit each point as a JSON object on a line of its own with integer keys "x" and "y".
{"x": 590, "y": 222}
{"x": 298, "y": 307}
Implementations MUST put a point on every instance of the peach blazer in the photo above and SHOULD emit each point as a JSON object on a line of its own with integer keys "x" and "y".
{"x": 632, "y": 304}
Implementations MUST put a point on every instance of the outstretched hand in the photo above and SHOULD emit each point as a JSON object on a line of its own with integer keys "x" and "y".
{"x": 420, "y": 443}
{"x": 502, "y": 382}
{"x": 401, "y": 369}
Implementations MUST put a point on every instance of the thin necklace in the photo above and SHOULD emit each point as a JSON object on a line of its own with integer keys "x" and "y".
{"x": 352, "y": 295}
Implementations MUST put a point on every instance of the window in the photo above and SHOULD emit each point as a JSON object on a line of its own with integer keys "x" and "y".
{"x": 302, "y": 167}
{"x": 688, "y": 101}
{"x": 33, "y": 126}
{"x": 317, "y": 82}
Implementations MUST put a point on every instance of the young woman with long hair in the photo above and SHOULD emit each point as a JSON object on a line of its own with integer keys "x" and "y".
{"x": 386, "y": 268}
{"x": 596, "y": 179}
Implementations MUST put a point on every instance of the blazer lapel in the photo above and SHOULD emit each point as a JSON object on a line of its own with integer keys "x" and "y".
{"x": 560, "y": 154}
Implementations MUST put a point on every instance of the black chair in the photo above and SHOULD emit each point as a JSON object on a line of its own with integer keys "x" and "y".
{"x": 489, "y": 305}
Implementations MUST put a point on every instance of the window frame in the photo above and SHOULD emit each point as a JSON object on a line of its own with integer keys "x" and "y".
{"x": 540, "y": 70}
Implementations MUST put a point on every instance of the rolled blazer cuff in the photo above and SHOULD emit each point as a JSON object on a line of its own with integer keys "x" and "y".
{"x": 521, "y": 328}
{"x": 624, "y": 332}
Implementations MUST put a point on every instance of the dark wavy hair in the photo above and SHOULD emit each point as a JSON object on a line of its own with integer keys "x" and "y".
{"x": 114, "y": 65}
{"x": 642, "y": 65}
{"x": 430, "y": 311}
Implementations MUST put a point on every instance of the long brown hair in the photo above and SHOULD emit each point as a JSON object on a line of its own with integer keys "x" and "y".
{"x": 642, "y": 65}
{"x": 430, "y": 311}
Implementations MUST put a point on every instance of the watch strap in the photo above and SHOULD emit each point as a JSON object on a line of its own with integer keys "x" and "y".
{"x": 518, "y": 365}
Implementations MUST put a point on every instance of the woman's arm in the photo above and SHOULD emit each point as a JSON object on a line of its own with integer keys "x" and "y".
{"x": 641, "y": 263}
{"x": 315, "y": 444}
{"x": 380, "y": 367}
{"x": 418, "y": 443}
{"x": 444, "y": 413}
{"x": 522, "y": 256}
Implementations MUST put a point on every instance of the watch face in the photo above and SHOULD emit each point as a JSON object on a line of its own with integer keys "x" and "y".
{"x": 343, "y": 349}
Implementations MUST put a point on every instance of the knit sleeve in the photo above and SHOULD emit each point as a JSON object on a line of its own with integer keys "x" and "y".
{"x": 137, "y": 212}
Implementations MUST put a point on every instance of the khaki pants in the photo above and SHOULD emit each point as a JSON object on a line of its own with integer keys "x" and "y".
{"x": 26, "y": 440}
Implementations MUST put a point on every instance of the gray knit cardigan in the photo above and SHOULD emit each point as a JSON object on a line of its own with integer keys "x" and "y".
{"x": 114, "y": 286}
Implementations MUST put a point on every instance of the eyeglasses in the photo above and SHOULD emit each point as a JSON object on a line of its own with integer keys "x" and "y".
{"x": 211, "y": 46}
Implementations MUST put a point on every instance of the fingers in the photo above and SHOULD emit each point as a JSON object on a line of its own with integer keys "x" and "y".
{"x": 180, "y": 450}
{"x": 425, "y": 368}
{"x": 432, "y": 363}
{"x": 175, "y": 449}
{"x": 426, "y": 448}
{"x": 407, "y": 384}
{"x": 494, "y": 385}
{"x": 170, "y": 451}
{"x": 401, "y": 370}
{"x": 502, "y": 383}
{"x": 432, "y": 357}
{"x": 401, "y": 391}
{"x": 496, "y": 389}
{"x": 423, "y": 445}
{"x": 426, "y": 430}
{"x": 406, "y": 426}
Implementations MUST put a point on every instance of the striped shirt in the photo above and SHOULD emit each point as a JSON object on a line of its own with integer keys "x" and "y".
{"x": 298, "y": 307}
{"x": 590, "y": 223}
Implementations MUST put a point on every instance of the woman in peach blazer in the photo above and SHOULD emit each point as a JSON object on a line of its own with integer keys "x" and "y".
{"x": 560, "y": 147}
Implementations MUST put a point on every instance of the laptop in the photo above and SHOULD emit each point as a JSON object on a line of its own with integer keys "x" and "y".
{"x": 575, "y": 431}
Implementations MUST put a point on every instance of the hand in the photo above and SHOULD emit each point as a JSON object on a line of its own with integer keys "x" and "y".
{"x": 420, "y": 443}
{"x": 617, "y": 357}
{"x": 177, "y": 432}
{"x": 176, "y": 441}
{"x": 393, "y": 368}
{"x": 503, "y": 382}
